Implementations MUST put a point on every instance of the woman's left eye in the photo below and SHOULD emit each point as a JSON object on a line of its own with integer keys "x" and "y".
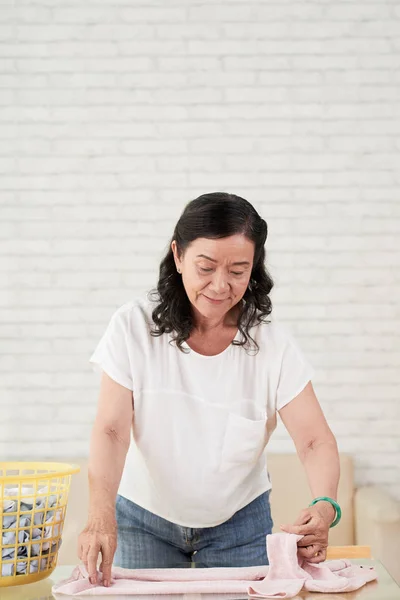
{"x": 204, "y": 270}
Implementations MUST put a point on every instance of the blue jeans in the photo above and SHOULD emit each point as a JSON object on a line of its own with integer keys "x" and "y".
{"x": 147, "y": 541}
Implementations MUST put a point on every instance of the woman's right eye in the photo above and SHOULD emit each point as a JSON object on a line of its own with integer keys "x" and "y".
{"x": 205, "y": 270}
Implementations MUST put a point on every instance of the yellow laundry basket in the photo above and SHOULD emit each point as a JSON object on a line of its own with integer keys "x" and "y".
{"x": 33, "y": 502}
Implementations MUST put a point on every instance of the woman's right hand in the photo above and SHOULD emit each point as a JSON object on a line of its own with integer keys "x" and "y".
{"x": 98, "y": 537}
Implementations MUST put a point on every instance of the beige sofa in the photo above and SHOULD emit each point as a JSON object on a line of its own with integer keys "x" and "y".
{"x": 370, "y": 517}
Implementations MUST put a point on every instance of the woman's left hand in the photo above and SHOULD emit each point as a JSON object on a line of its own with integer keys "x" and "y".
{"x": 313, "y": 523}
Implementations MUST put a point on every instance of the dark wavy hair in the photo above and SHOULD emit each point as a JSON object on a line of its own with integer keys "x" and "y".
{"x": 215, "y": 215}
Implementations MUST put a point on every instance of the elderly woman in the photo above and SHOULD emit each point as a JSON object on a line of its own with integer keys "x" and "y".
{"x": 192, "y": 379}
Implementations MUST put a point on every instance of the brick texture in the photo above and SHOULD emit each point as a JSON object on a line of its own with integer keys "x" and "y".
{"x": 114, "y": 114}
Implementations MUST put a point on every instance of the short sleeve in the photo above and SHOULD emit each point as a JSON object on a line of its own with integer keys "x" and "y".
{"x": 295, "y": 373}
{"x": 111, "y": 354}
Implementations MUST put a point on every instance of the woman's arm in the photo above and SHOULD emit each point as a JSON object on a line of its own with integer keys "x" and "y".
{"x": 315, "y": 443}
{"x": 317, "y": 449}
{"x": 108, "y": 448}
{"x": 109, "y": 445}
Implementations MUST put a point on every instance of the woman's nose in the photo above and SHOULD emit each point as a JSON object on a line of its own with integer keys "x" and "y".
{"x": 219, "y": 283}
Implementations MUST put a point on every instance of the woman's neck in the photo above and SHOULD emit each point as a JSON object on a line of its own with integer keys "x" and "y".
{"x": 204, "y": 326}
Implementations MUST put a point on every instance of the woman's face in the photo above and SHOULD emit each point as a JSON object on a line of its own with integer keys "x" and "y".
{"x": 216, "y": 273}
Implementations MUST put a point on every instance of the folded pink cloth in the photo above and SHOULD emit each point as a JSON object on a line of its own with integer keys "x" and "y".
{"x": 284, "y": 578}
{"x": 127, "y": 582}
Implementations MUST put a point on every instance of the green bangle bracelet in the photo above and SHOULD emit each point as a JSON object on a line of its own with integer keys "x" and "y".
{"x": 335, "y": 506}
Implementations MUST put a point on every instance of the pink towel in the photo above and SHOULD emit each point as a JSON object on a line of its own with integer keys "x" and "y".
{"x": 284, "y": 578}
{"x": 128, "y": 582}
{"x": 287, "y": 574}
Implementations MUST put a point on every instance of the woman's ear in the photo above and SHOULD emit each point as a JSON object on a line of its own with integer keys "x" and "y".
{"x": 174, "y": 248}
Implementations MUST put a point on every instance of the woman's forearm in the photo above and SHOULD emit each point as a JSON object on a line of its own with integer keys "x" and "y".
{"x": 106, "y": 462}
{"x": 322, "y": 466}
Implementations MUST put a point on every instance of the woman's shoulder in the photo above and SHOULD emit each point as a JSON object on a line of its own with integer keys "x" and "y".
{"x": 136, "y": 311}
{"x": 273, "y": 332}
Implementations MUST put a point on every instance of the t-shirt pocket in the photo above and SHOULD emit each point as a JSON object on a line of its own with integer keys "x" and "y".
{"x": 244, "y": 441}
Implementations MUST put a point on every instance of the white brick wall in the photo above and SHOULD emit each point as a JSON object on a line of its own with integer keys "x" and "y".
{"x": 114, "y": 114}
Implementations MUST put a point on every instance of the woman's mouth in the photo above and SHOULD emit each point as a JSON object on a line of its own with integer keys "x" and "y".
{"x": 214, "y": 301}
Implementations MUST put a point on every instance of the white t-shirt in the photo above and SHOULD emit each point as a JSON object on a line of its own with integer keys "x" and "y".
{"x": 201, "y": 423}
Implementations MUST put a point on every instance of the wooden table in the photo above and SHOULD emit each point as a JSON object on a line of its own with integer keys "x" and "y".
{"x": 383, "y": 589}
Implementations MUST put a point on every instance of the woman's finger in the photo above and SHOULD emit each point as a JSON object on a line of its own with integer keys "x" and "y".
{"x": 84, "y": 553}
{"x": 303, "y": 518}
{"x": 79, "y": 550}
{"x": 306, "y": 529}
{"x": 106, "y": 565}
{"x": 92, "y": 557}
{"x": 320, "y": 557}
{"x": 307, "y": 540}
{"x": 309, "y": 551}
